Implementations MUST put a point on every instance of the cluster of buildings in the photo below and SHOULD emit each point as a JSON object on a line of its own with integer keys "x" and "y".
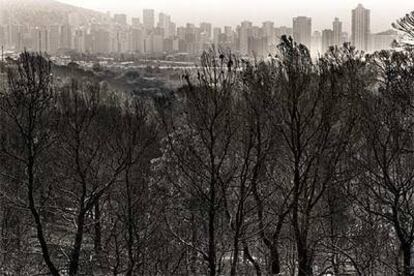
{"x": 157, "y": 34}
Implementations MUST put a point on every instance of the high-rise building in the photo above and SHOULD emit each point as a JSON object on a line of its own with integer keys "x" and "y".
{"x": 316, "y": 43}
{"x": 283, "y": 30}
{"x": 204, "y": 42}
{"x": 206, "y": 28}
{"x": 302, "y": 30}
{"x": 148, "y": 19}
{"x": 40, "y": 40}
{"x": 216, "y": 36}
{"x": 74, "y": 19}
{"x": 168, "y": 45}
{"x": 190, "y": 28}
{"x": 120, "y": 43}
{"x": 258, "y": 46}
{"x": 173, "y": 29}
{"x": 148, "y": 47}
{"x": 79, "y": 40}
{"x": 54, "y": 39}
{"x": 12, "y": 35}
{"x": 245, "y": 33}
{"x": 120, "y": 19}
{"x": 268, "y": 32}
{"x": 135, "y": 22}
{"x": 268, "y": 29}
{"x": 228, "y": 30}
{"x": 384, "y": 40}
{"x": 230, "y": 36}
{"x": 256, "y": 32}
{"x": 345, "y": 37}
{"x": 327, "y": 40}
{"x": 2, "y": 36}
{"x": 361, "y": 28}
{"x": 101, "y": 41}
{"x": 181, "y": 32}
{"x": 136, "y": 40}
{"x": 337, "y": 32}
{"x": 157, "y": 43}
{"x": 65, "y": 37}
{"x": 164, "y": 22}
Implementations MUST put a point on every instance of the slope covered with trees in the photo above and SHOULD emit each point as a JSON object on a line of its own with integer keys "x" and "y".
{"x": 286, "y": 166}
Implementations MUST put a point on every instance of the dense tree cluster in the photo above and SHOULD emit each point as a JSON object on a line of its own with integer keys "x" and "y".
{"x": 283, "y": 166}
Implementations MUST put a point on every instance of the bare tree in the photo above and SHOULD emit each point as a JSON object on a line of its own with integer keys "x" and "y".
{"x": 387, "y": 153}
{"x": 132, "y": 202}
{"x": 313, "y": 131}
{"x": 406, "y": 24}
{"x": 199, "y": 141}
{"x": 271, "y": 195}
{"x": 26, "y": 106}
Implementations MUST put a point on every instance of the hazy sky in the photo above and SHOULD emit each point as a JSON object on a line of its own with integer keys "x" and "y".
{"x": 231, "y": 12}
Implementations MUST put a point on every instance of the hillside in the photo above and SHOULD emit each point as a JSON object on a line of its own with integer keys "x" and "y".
{"x": 41, "y": 12}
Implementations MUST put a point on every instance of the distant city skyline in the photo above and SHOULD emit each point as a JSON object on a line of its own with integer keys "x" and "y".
{"x": 156, "y": 33}
{"x": 232, "y": 12}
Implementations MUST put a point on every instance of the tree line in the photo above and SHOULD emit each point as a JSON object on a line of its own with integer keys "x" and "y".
{"x": 283, "y": 166}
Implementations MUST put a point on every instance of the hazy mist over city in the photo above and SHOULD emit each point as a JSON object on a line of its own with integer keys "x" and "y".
{"x": 162, "y": 29}
{"x": 232, "y": 12}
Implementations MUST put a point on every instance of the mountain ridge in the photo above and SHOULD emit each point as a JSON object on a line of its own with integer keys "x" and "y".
{"x": 41, "y": 12}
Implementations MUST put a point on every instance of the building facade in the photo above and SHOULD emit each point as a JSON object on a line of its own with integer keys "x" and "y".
{"x": 361, "y": 28}
{"x": 302, "y": 30}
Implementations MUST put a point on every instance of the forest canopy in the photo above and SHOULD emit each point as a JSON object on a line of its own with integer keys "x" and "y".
{"x": 283, "y": 166}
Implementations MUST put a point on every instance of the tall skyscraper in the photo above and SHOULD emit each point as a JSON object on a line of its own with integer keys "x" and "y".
{"x": 216, "y": 36}
{"x": 79, "y": 40}
{"x": 164, "y": 21}
{"x": 283, "y": 30}
{"x": 245, "y": 33}
{"x": 135, "y": 22}
{"x": 40, "y": 39}
{"x": 337, "y": 32}
{"x": 302, "y": 30}
{"x": 173, "y": 29}
{"x": 206, "y": 28}
{"x": 268, "y": 29}
{"x": 137, "y": 40}
{"x": 268, "y": 32}
{"x": 74, "y": 19}
{"x": 54, "y": 39}
{"x": 316, "y": 43}
{"x": 327, "y": 40}
{"x": 148, "y": 19}
{"x": 66, "y": 37}
{"x": 361, "y": 28}
{"x": 230, "y": 36}
{"x": 2, "y": 36}
{"x": 120, "y": 19}
{"x": 101, "y": 41}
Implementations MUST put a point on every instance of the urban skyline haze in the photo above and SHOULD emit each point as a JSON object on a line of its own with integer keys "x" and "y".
{"x": 232, "y": 12}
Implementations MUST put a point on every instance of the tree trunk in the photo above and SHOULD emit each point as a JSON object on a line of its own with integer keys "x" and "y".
{"x": 304, "y": 260}
{"x": 212, "y": 223}
{"x": 74, "y": 259}
{"x": 251, "y": 259}
{"x": 212, "y": 242}
{"x": 274, "y": 260}
{"x": 39, "y": 227}
{"x": 408, "y": 271}
{"x": 235, "y": 261}
{"x": 193, "y": 256}
{"x": 131, "y": 240}
{"x": 98, "y": 232}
